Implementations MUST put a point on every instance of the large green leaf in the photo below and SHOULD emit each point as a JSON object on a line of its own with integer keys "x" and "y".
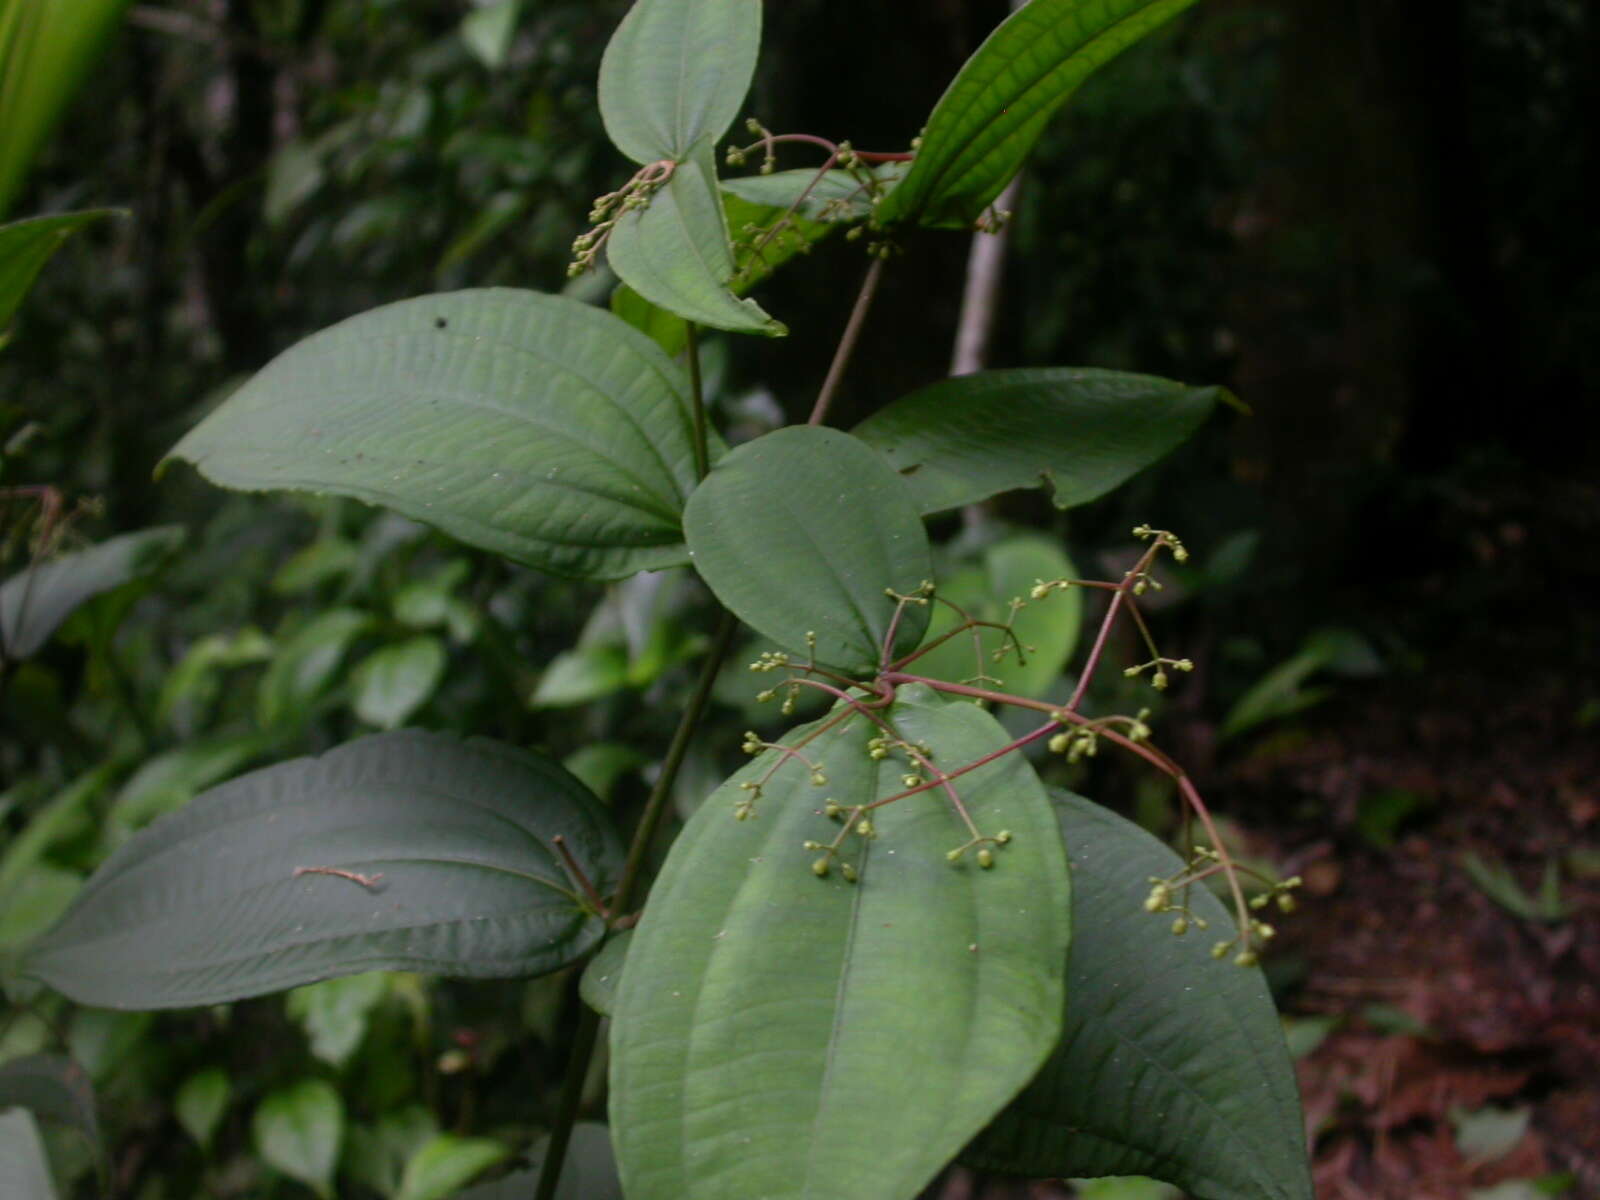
{"x": 1077, "y": 431}
{"x": 802, "y": 530}
{"x": 771, "y": 1025}
{"x": 530, "y": 425}
{"x": 448, "y": 861}
{"x": 44, "y": 51}
{"x": 675, "y": 253}
{"x": 35, "y": 601}
{"x": 1171, "y": 1064}
{"x": 675, "y": 73}
{"x": 994, "y": 110}
{"x": 25, "y": 246}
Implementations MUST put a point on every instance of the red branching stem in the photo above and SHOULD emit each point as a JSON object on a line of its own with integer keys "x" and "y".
{"x": 579, "y": 876}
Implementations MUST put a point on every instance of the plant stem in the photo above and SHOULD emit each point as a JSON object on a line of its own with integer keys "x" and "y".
{"x": 583, "y": 1043}
{"x": 847, "y": 342}
{"x": 702, "y": 455}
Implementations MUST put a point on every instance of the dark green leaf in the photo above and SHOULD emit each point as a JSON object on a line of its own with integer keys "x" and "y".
{"x": 675, "y": 73}
{"x": 449, "y": 864}
{"x": 1006, "y": 571}
{"x": 989, "y": 117}
{"x": 25, "y": 247}
{"x": 35, "y": 601}
{"x": 1076, "y": 431}
{"x": 802, "y": 531}
{"x": 529, "y": 425}
{"x": 581, "y": 675}
{"x": 1171, "y": 1064}
{"x": 298, "y": 1130}
{"x": 54, "y": 1089}
{"x": 676, "y": 254}
{"x": 771, "y": 1025}
{"x": 835, "y": 196}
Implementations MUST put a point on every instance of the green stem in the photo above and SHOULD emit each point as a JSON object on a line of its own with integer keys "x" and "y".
{"x": 588, "y": 1031}
{"x": 702, "y": 457}
{"x": 632, "y": 872}
{"x": 847, "y": 342}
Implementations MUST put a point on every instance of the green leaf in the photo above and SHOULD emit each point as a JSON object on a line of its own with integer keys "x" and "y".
{"x": 298, "y": 1130}
{"x": 65, "y": 815}
{"x": 675, "y": 74}
{"x": 1006, "y": 571}
{"x": 45, "y": 49}
{"x": 25, "y": 247}
{"x": 1077, "y": 431}
{"x": 488, "y": 31}
{"x": 446, "y": 1162}
{"x": 392, "y": 683}
{"x": 1281, "y": 692}
{"x": 835, "y": 196}
{"x": 532, "y": 426}
{"x": 598, "y": 765}
{"x": 35, "y": 601}
{"x": 581, "y": 675}
{"x": 452, "y": 871}
{"x": 993, "y": 112}
{"x": 1170, "y": 1064}
{"x": 334, "y": 1012}
{"x": 305, "y": 665}
{"x": 53, "y": 1088}
{"x": 101, "y": 1040}
{"x": 675, "y": 252}
{"x": 34, "y": 902}
{"x": 293, "y": 176}
{"x": 202, "y": 1102}
{"x": 770, "y": 1025}
{"x": 589, "y": 1173}
{"x": 376, "y": 1154}
{"x": 601, "y": 978}
{"x": 24, "y": 1170}
{"x": 802, "y": 530}
{"x": 169, "y": 781}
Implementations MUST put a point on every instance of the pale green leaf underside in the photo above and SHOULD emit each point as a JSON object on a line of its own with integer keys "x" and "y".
{"x": 530, "y": 425}
{"x": 213, "y": 902}
{"x": 1171, "y": 1064}
{"x": 802, "y": 530}
{"x": 35, "y": 600}
{"x": 1076, "y": 431}
{"x": 781, "y": 1035}
{"x": 755, "y": 256}
{"x": 992, "y": 113}
{"x": 676, "y": 254}
{"x": 25, "y": 246}
{"x": 675, "y": 73}
{"x": 24, "y": 1169}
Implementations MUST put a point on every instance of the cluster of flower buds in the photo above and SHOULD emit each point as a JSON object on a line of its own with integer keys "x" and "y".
{"x": 1160, "y": 679}
{"x": 611, "y": 208}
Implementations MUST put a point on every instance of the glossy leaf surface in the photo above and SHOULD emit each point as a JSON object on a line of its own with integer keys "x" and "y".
{"x": 25, "y": 247}
{"x": 529, "y": 425}
{"x": 449, "y": 864}
{"x": 675, "y": 73}
{"x": 802, "y": 530}
{"x": 1077, "y": 431}
{"x": 1171, "y": 1064}
{"x": 994, "y": 110}
{"x": 770, "y": 1024}
{"x": 35, "y": 600}
{"x": 675, "y": 252}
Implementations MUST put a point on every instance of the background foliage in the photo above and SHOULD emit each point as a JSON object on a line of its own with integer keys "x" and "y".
{"x": 1369, "y": 221}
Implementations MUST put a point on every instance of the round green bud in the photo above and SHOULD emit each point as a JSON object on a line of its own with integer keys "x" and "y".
{"x": 1002, "y": 837}
{"x": 954, "y": 855}
{"x": 848, "y": 872}
{"x": 818, "y": 779}
{"x": 1246, "y": 958}
{"x": 986, "y": 858}
{"x": 1220, "y": 950}
{"x": 864, "y": 827}
{"x": 1180, "y": 926}
{"x": 820, "y": 867}
{"x": 1287, "y": 903}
